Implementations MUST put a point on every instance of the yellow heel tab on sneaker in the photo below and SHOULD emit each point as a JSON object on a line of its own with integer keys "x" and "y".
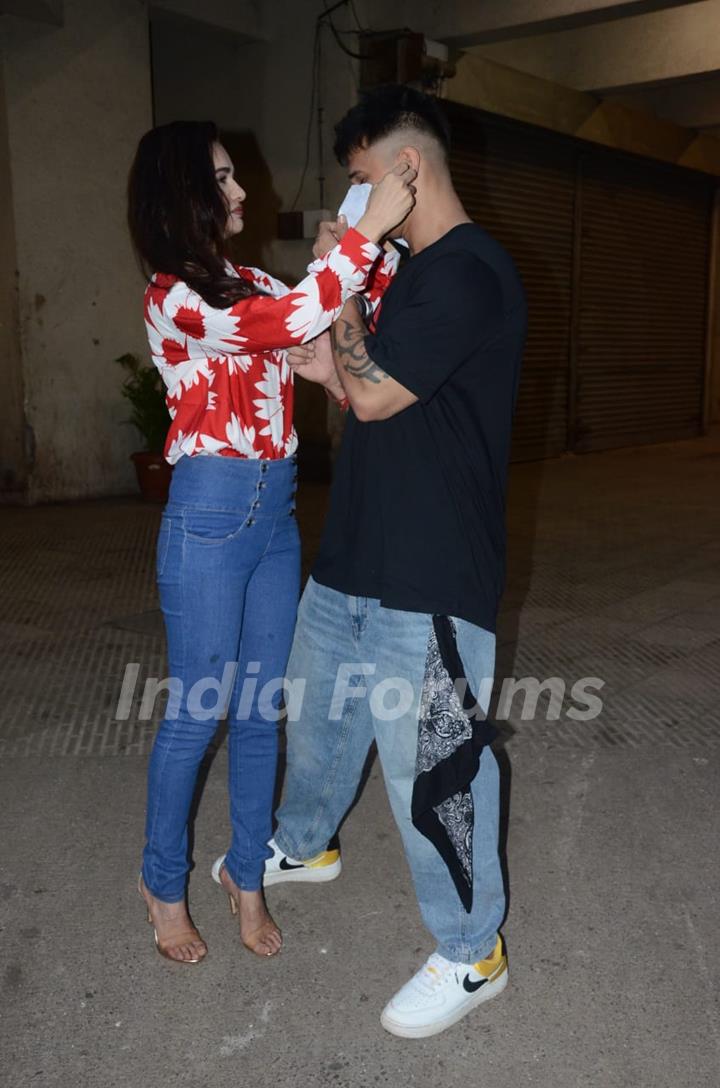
{"x": 327, "y": 857}
{"x": 489, "y": 966}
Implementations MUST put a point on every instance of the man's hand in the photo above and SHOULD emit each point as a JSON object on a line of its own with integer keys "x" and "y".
{"x": 390, "y": 202}
{"x": 330, "y": 232}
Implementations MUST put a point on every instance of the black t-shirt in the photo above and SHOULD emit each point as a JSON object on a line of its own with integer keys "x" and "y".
{"x": 417, "y": 509}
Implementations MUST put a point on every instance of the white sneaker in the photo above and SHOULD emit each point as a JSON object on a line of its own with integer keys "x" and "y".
{"x": 327, "y": 865}
{"x": 441, "y": 993}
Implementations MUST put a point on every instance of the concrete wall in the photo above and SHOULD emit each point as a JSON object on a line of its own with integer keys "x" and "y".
{"x": 286, "y": 111}
{"x": 12, "y": 417}
{"x": 202, "y": 73}
{"x": 263, "y": 88}
{"x": 228, "y": 88}
{"x": 78, "y": 97}
{"x": 283, "y": 144}
{"x": 712, "y": 389}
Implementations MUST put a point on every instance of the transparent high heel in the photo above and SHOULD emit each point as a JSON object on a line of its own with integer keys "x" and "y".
{"x": 185, "y": 937}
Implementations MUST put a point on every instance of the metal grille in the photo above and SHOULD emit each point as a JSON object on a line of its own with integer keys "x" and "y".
{"x": 523, "y": 194}
{"x": 643, "y": 290}
{"x": 613, "y": 252}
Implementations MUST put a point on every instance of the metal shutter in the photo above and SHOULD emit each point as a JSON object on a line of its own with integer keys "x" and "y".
{"x": 520, "y": 186}
{"x": 642, "y": 303}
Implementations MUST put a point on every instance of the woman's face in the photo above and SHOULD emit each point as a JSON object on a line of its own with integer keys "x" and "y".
{"x": 234, "y": 195}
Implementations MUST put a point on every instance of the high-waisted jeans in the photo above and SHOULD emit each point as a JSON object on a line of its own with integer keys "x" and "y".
{"x": 228, "y": 567}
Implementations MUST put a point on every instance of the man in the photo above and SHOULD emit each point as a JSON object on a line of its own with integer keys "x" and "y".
{"x": 395, "y": 634}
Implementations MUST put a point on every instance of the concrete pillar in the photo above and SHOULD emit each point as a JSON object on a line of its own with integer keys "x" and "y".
{"x": 78, "y": 99}
{"x": 712, "y": 388}
{"x": 13, "y": 477}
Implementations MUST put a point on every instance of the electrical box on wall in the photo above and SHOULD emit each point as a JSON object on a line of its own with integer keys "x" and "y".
{"x": 403, "y": 56}
{"x": 293, "y": 226}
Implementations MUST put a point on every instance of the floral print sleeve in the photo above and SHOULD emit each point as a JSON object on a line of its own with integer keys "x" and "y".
{"x": 229, "y": 389}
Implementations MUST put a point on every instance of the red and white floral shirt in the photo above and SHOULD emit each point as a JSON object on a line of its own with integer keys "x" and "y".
{"x": 229, "y": 386}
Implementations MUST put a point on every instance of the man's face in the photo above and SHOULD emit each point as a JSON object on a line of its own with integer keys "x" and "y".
{"x": 370, "y": 164}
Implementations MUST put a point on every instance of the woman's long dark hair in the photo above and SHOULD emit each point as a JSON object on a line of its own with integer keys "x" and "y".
{"x": 177, "y": 213}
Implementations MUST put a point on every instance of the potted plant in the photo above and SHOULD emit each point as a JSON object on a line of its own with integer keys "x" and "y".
{"x": 144, "y": 389}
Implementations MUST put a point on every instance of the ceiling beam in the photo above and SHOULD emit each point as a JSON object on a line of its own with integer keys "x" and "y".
{"x": 484, "y": 85}
{"x": 39, "y": 11}
{"x": 674, "y": 43}
{"x": 694, "y": 103}
{"x": 247, "y": 18}
{"x": 462, "y": 24}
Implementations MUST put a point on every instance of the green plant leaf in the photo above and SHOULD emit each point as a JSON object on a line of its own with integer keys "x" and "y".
{"x": 144, "y": 389}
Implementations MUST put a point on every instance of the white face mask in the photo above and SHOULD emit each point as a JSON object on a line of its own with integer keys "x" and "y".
{"x": 355, "y": 204}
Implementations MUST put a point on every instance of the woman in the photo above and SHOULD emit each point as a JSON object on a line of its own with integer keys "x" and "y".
{"x": 228, "y": 549}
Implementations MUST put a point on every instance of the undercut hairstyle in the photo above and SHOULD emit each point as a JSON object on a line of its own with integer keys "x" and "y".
{"x": 385, "y": 110}
{"x": 177, "y": 213}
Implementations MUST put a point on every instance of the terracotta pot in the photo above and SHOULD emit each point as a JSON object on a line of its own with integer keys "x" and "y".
{"x": 153, "y": 475}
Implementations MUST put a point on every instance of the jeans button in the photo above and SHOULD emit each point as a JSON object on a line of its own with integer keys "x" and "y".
{"x": 250, "y": 521}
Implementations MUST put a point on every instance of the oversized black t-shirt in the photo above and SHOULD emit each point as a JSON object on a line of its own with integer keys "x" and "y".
{"x": 417, "y": 508}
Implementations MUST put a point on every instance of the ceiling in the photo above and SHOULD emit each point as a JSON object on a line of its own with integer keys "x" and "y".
{"x": 659, "y": 57}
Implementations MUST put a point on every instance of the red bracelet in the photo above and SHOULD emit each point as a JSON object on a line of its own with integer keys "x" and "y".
{"x": 343, "y": 404}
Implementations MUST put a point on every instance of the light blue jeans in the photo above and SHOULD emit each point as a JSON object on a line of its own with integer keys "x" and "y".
{"x": 228, "y": 567}
{"x": 344, "y": 643}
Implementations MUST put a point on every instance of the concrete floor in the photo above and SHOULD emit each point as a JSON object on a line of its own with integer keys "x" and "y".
{"x": 612, "y": 836}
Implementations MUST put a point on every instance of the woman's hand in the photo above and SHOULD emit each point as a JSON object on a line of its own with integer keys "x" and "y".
{"x": 301, "y": 355}
{"x": 314, "y": 361}
{"x": 330, "y": 232}
{"x": 391, "y": 201}
{"x": 311, "y": 362}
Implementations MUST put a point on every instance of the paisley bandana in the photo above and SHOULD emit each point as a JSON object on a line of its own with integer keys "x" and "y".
{"x": 452, "y": 731}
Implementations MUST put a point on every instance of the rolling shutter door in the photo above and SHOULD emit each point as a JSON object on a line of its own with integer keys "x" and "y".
{"x": 643, "y": 290}
{"x": 520, "y": 186}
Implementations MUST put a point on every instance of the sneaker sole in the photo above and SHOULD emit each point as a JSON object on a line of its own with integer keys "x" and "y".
{"x": 422, "y": 1031}
{"x": 322, "y": 875}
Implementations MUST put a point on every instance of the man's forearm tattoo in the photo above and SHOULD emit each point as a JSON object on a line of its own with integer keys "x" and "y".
{"x": 350, "y": 352}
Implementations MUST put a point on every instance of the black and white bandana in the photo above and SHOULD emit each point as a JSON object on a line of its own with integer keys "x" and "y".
{"x": 452, "y": 731}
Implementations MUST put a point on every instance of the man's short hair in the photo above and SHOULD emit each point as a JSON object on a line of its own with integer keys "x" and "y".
{"x": 385, "y": 110}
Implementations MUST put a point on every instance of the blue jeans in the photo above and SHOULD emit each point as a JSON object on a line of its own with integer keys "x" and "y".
{"x": 344, "y": 643}
{"x": 228, "y": 566}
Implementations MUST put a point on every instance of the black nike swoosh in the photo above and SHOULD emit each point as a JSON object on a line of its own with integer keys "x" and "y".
{"x": 285, "y": 865}
{"x": 471, "y": 987}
